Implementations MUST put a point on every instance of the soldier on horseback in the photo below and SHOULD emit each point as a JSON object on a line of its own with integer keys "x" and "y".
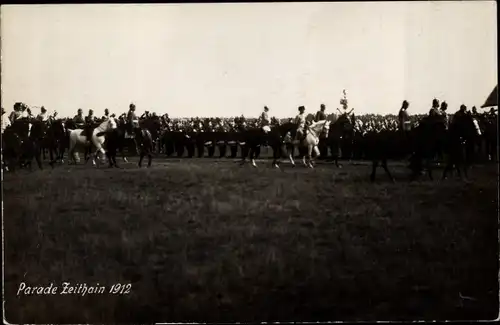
{"x": 16, "y": 113}
{"x": 320, "y": 115}
{"x": 53, "y": 117}
{"x": 404, "y": 118}
{"x": 43, "y": 116}
{"x": 79, "y": 120}
{"x": 434, "y": 111}
{"x": 89, "y": 125}
{"x": 264, "y": 120}
{"x": 106, "y": 114}
{"x": 300, "y": 121}
{"x": 133, "y": 124}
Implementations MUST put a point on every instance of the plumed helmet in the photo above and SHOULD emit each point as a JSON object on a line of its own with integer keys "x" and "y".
{"x": 132, "y": 106}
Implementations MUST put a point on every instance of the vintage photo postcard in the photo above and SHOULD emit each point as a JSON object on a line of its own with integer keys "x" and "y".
{"x": 249, "y": 162}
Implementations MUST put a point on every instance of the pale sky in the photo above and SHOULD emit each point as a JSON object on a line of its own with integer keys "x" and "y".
{"x": 230, "y": 59}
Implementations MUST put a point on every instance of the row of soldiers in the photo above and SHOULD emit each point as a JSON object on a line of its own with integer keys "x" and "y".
{"x": 403, "y": 121}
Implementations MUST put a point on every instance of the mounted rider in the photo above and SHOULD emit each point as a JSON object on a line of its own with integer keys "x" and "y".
{"x": 89, "y": 125}
{"x": 106, "y": 114}
{"x": 320, "y": 115}
{"x": 133, "y": 124}
{"x": 264, "y": 121}
{"x": 404, "y": 118}
{"x": 43, "y": 116}
{"x": 53, "y": 117}
{"x": 16, "y": 113}
{"x": 79, "y": 120}
{"x": 434, "y": 111}
{"x": 443, "y": 114}
{"x": 300, "y": 121}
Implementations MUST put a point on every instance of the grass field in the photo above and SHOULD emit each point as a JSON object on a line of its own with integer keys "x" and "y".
{"x": 203, "y": 240}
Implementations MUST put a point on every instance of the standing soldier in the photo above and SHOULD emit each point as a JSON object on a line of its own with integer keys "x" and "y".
{"x": 320, "y": 115}
{"x": 300, "y": 121}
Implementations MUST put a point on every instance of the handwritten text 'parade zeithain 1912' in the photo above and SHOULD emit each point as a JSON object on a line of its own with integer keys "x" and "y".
{"x": 67, "y": 288}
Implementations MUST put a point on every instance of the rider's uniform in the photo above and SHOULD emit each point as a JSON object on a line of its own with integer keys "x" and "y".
{"x": 404, "y": 120}
{"x": 132, "y": 119}
{"x": 43, "y": 117}
{"x": 14, "y": 116}
{"x": 300, "y": 121}
{"x": 264, "y": 120}
{"x": 79, "y": 120}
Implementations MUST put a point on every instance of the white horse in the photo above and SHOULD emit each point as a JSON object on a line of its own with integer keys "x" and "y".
{"x": 77, "y": 140}
{"x": 310, "y": 142}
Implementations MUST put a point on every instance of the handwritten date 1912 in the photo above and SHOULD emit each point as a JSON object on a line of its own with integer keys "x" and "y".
{"x": 120, "y": 289}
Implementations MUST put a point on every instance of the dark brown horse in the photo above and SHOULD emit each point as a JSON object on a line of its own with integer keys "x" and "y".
{"x": 116, "y": 140}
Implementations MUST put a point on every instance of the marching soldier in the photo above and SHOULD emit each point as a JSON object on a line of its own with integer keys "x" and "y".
{"x": 320, "y": 115}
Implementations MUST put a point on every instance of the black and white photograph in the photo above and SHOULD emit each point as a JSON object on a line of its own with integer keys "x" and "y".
{"x": 249, "y": 162}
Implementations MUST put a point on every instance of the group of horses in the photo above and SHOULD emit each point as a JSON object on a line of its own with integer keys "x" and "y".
{"x": 26, "y": 139}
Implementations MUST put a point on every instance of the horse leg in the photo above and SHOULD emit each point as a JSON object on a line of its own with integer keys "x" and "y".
{"x": 150, "y": 159}
{"x": 309, "y": 156}
{"x": 374, "y": 169}
{"x": 429, "y": 169}
{"x": 110, "y": 159}
{"x": 141, "y": 157}
{"x": 252, "y": 156}
{"x": 276, "y": 157}
{"x": 244, "y": 153}
{"x": 38, "y": 158}
{"x": 303, "y": 154}
{"x": 384, "y": 166}
{"x": 290, "y": 155}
